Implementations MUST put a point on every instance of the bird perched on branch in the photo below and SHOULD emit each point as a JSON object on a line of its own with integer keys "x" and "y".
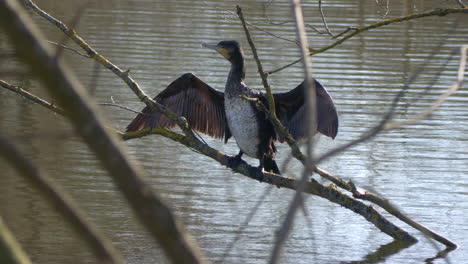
{"x": 222, "y": 115}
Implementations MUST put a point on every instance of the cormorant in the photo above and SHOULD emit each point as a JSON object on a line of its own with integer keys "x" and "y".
{"x": 222, "y": 115}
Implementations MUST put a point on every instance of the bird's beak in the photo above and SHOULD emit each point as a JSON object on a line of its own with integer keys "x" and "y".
{"x": 217, "y": 48}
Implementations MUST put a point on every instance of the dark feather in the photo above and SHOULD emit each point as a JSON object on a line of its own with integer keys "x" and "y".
{"x": 190, "y": 97}
{"x": 290, "y": 109}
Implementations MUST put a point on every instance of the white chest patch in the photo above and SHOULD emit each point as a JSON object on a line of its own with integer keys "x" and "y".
{"x": 243, "y": 124}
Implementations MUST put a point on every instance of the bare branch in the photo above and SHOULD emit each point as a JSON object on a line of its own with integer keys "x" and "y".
{"x": 10, "y": 248}
{"x": 31, "y": 97}
{"x": 322, "y": 15}
{"x": 248, "y": 23}
{"x": 124, "y": 75}
{"x": 73, "y": 22}
{"x": 206, "y": 150}
{"x": 100, "y": 244}
{"x": 122, "y": 107}
{"x": 154, "y": 214}
{"x": 443, "y": 97}
{"x": 269, "y": 95}
{"x": 297, "y": 201}
{"x": 70, "y": 49}
{"x": 358, "y": 30}
{"x": 246, "y": 222}
{"x": 310, "y": 187}
{"x": 460, "y": 4}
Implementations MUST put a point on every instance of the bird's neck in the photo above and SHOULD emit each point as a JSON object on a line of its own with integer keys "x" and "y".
{"x": 237, "y": 73}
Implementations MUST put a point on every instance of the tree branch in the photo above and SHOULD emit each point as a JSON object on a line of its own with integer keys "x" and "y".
{"x": 442, "y": 98}
{"x": 124, "y": 75}
{"x": 324, "y": 21}
{"x": 10, "y": 249}
{"x": 31, "y": 97}
{"x": 310, "y": 187}
{"x": 101, "y": 245}
{"x": 311, "y": 128}
{"x": 358, "y": 30}
{"x": 192, "y": 142}
{"x": 153, "y": 213}
{"x": 263, "y": 76}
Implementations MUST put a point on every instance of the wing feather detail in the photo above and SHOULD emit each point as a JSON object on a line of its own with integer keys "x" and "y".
{"x": 190, "y": 97}
{"x": 291, "y": 111}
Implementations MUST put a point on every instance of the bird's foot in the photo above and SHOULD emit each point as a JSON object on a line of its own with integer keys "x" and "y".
{"x": 234, "y": 161}
{"x": 259, "y": 174}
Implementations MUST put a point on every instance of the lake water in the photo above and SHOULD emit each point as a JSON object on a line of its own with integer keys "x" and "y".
{"x": 422, "y": 168}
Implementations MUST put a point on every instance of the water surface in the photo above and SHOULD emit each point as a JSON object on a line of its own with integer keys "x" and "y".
{"x": 421, "y": 168}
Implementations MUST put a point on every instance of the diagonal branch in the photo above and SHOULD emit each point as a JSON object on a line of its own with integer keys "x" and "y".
{"x": 124, "y": 75}
{"x": 156, "y": 216}
{"x": 100, "y": 244}
{"x": 442, "y": 98}
{"x": 351, "y": 32}
{"x": 192, "y": 142}
{"x": 31, "y": 97}
{"x": 311, "y": 187}
{"x": 11, "y": 251}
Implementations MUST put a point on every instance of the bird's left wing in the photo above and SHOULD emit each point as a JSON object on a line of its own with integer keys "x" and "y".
{"x": 190, "y": 97}
{"x": 291, "y": 111}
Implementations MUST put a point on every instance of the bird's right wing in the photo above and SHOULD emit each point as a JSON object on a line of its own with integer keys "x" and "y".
{"x": 190, "y": 97}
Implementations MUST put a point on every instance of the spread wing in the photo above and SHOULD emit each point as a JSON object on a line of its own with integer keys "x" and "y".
{"x": 190, "y": 97}
{"x": 290, "y": 109}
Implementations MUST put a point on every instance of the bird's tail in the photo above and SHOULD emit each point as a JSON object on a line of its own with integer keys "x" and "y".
{"x": 269, "y": 164}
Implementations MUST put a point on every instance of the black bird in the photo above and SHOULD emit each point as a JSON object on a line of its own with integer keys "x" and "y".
{"x": 222, "y": 115}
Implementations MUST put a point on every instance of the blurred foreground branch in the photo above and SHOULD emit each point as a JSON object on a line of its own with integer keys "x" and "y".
{"x": 31, "y": 97}
{"x": 311, "y": 128}
{"x": 100, "y": 244}
{"x": 10, "y": 250}
{"x": 312, "y": 186}
{"x": 153, "y": 213}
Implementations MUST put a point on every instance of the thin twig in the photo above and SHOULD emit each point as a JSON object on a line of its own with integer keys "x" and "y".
{"x": 246, "y": 222}
{"x": 72, "y": 24}
{"x": 442, "y": 98}
{"x": 124, "y": 75}
{"x": 322, "y": 15}
{"x": 70, "y": 49}
{"x": 358, "y": 30}
{"x": 248, "y": 23}
{"x": 270, "y": 112}
{"x": 32, "y": 97}
{"x": 122, "y": 107}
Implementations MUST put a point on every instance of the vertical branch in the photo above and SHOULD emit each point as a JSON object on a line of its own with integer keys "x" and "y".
{"x": 324, "y": 21}
{"x": 263, "y": 75}
{"x": 156, "y": 216}
{"x": 310, "y": 99}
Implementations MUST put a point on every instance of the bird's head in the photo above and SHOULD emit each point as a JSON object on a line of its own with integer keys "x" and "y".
{"x": 230, "y": 49}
